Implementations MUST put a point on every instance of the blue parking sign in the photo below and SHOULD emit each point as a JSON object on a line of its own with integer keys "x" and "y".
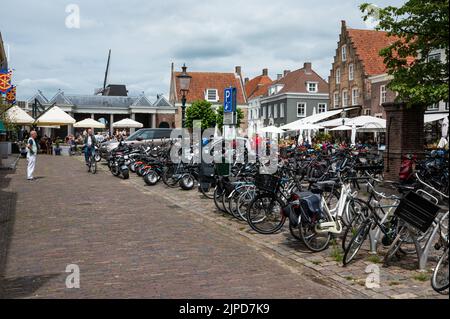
{"x": 229, "y": 101}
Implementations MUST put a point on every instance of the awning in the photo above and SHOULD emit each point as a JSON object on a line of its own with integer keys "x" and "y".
{"x": 342, "y": 128}
{"x": 54, "y": 116}
{"x": 16, "y": 115}
{"x": 434, "y": 117}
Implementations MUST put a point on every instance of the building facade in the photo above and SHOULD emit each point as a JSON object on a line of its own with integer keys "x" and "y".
{"x": 358, "y": 72}
{"x": 209, "y": 86}
{"x": 293, "y": 96}
{"x": 255, "y": 90}
{"x": 109, "y": 109}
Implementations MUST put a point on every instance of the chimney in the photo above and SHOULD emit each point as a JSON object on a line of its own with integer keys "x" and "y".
{"x": 279, "y": 76}
{"x": 265, "y": 72}
{"x": 246, "y": 80}
{"x": 286, "y": 72}
{"x": 238, "y": 70}
{"x": 307, "y": 67}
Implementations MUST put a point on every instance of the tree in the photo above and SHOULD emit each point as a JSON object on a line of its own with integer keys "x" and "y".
{"x": 201, "y": 110}
{"x": 421, "y": 26}
{"x": 240, "y": 116}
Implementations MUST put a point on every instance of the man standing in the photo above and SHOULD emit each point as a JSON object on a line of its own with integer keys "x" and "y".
{"x": 31, "y": 155}
{"x": 89, "y": 145}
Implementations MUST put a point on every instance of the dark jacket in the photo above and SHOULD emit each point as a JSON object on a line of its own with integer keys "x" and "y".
{"x": 85, "y": 141}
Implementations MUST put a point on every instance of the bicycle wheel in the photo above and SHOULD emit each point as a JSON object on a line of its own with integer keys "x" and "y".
{"x": 356, "y": 242}
{"x": 233, "y": 202}
{"x": 93, "y": 165}
{"x": 264, "y": 214}
{"x": 439, "y": 280}
{"x": 170, "y": 178}
{"x": 351, "y": 230}
{"x": 244, "y": 201}
{"x": 218, "y": 193}
{"x": 315, "y": 241}
{"x": 208, "y": 192}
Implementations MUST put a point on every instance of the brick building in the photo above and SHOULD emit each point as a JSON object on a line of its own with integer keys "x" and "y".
{"x": 358, "y": 74}
{"x": 255, "y": 89}
{"x": 208, "y": 86}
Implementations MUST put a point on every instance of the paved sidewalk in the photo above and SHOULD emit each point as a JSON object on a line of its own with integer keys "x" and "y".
{"x": 132, "y": 241}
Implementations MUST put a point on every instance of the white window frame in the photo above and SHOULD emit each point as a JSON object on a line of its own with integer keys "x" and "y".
{"x": 336, "y": 99}
{"x": 383, "y": 94}
{"x": 338, "y": 76}
{"x": 344, "y": 98}
{"x": 366, "y": 112}
{"x": 304, "y": 109}
{"x": 446, "y": 105}
{"x": 264, "y": 112}
{"x": 207, "y": 95}
{"x": 351, "y": 72}
{"x": 316, "y": 84}
{"x": 355, "y": 97}
{"x": 434, "y": 107}
{"x": 379, "y": 115}
{"x": 282, "y": 110}
{"x": 275, "y": 111}
{"x": 344, "y": 52}
{"x": 319, "y": 105}
{"x": 269, "y": 111}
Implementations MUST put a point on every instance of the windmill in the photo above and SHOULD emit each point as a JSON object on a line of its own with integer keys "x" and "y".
{"x": 102, "y": 90}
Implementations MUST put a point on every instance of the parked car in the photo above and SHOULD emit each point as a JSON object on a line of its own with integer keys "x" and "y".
{"x": 142, "y": 136}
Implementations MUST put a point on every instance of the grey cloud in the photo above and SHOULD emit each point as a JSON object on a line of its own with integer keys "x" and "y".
{"x": 146, "y": 36}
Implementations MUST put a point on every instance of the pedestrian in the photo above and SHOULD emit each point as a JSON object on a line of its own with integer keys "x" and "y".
{"x": 32, "y": 150}
{"x": 89, "y": 145}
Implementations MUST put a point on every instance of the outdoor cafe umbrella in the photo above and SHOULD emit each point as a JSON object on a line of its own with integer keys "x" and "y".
{"x": 89, "y": 123}
{"x": 272, "y": 129}
{"x": 443, "y": 142}
{"x": 342, "y": 128}
{"x": 353, "y": 138}
{"x": 127, "y": 123}
{"x": 16, "y": 115}
{"x": 54, "y": 117}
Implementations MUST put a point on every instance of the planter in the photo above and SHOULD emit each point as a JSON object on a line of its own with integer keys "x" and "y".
{"x": 65, "y": 150}
{"x": 5, "y": 149}
{"x": 57, "y": 151}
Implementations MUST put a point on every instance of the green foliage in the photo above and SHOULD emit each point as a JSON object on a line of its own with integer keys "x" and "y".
{"x": 6, "y": 123}
{"x": 323, "y": 137}
{"x": 240, "y": 116}
{"x": 201, "y": 110}
{"x": 422, "y": 26}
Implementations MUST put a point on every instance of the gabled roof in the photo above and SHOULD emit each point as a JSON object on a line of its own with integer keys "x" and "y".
{"x": 162, "y": 102}
{"x": 40, "y": 97}
{"x": 257, "y": 86}
{"x": 368, "y": 44}
{"x": 295, "y": 81}
{"x": 142, "y": 101}
{"x": 201, "y": 81}
{"x": 60, "y": 99}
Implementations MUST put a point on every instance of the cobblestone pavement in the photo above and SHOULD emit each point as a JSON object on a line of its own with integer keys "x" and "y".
{"x": 132, "y": 241}
{"x": 401, "y": 280}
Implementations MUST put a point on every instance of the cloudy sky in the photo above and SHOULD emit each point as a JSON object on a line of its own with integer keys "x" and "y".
{"x": 147, "y": 36}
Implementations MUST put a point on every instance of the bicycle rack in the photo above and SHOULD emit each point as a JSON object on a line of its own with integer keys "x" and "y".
{"x": 423, "y": 251}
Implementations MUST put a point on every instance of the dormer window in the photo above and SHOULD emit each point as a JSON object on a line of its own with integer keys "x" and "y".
{"x": 211, "y": 95}
{"x": 312, "y": 87}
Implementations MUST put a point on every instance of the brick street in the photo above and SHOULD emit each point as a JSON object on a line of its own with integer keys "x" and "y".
{"x": 129, "y": 244}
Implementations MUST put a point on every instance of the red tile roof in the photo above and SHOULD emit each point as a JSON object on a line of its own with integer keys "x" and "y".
{"x": 295, "y": 82}
{"x": 257, "y": 86}
{"x": 201, "y": 81}
{"x": 368, "y": 44}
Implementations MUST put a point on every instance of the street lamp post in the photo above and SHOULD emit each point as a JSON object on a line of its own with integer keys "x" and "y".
{"x": 184, "y": 81}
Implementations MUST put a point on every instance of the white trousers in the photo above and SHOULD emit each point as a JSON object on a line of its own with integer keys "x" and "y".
{"x": 31, "y": 164}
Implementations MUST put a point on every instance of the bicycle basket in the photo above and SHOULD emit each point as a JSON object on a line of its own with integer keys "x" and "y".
{"x": 223, "y": 169}
{"x": 267, "y": 183}
{"x": 417, "y": 211}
